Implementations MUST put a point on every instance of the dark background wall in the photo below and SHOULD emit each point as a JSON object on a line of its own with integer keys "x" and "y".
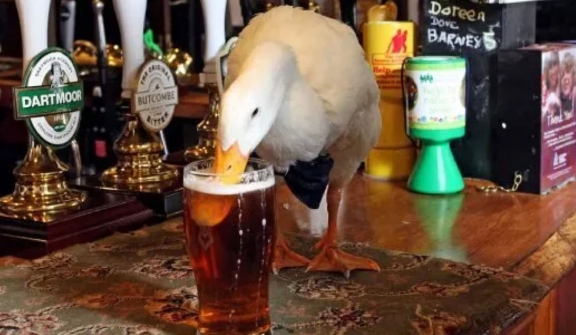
{"x": 556, "y": 20}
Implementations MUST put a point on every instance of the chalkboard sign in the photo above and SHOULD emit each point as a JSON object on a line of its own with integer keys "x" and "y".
{"x": 476, "y": 31}
{"x": 460, "y": 26}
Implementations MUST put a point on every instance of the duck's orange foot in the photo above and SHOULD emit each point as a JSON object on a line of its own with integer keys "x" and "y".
{"x": 332, "y": 258}
{"x": 284, "y": 257}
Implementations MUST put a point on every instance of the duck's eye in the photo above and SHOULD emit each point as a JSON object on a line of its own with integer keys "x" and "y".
{"x": 255, "y": 112}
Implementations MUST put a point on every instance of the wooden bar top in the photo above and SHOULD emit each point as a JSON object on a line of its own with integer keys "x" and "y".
{"x": 532, "y": 235}
{"x": 192, "y": 105}
{"x": 529, "y": 234}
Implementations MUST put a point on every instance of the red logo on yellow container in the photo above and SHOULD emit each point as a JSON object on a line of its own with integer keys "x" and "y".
{"x": 387, "y": 44}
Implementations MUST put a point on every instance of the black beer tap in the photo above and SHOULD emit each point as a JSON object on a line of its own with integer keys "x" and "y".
{"x": 67, "y": 23}
{"x": 247, "y": 11}
{"x": 348, "y": 12}
{"x": 104, "y": 116}
{"x": 98, "y": 6}
{"x": 252, "y": 7}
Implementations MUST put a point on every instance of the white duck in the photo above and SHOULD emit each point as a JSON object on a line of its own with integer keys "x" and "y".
{"x": 298, "y": 87}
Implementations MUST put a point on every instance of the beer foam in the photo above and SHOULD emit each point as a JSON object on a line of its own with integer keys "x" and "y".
{"x": 210, "y": 185}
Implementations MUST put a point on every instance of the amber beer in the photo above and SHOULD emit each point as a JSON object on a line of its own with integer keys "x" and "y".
{"x": 231, "y": 257}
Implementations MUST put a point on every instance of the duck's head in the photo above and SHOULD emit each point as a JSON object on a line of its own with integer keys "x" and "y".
{"x": 251, "y": 105}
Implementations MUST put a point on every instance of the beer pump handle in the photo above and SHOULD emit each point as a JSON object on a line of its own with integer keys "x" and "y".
{"x": 98, "y": 6}
{"x": 214, "y": 22}
{"x": 348, "y": 12}
{"x": 167, "y": 24}
{"x": 130, "y": 15}
{"x": 33, "y": 16}
{"x": 67, "y": 25}
{"x": 222, "y": 63}
{"x": 247, "y": 11}
{"x": 67, "y": 22}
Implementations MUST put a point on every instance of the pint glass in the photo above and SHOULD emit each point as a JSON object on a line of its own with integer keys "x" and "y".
{"x": 231, "y": 253}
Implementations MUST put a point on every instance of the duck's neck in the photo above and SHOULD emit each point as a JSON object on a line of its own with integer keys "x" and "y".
{"x": 301, "y": 126}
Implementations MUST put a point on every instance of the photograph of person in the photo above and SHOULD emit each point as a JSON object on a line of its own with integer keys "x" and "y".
{"x": 551, "y": 104}
{"x": 567, "y": 84}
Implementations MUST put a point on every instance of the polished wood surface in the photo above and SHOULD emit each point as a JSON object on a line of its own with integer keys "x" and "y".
{"x": 565, "y": 305}
{"x": 529, "y": 234}
{"x": 99, "y": 216}
{"x": 542, "y": 321}
{"x": 11, "y": 260}
{"x": 506, "y": 230}
{"x": 192, "y": 105}
{"x": 555, "y": 258}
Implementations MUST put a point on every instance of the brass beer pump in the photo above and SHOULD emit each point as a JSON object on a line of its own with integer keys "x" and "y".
{"x": 46, "y": 212}
{"x": 313, "y": 6}
{"x": 148, "y": 100}
{"x": 41, "y": 190}
{"x": 207, "y": 129}
{"x": 139, "y": 150}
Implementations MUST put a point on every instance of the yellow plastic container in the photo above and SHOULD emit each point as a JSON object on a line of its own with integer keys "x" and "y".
{"x": 387, "y": 44}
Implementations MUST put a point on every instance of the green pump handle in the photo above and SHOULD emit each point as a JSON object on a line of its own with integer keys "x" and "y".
{"x": 150, "y": 44}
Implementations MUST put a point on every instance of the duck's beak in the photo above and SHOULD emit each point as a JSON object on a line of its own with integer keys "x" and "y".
{"x": 208, "y": 209}
{"x": 230, "y": 164}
